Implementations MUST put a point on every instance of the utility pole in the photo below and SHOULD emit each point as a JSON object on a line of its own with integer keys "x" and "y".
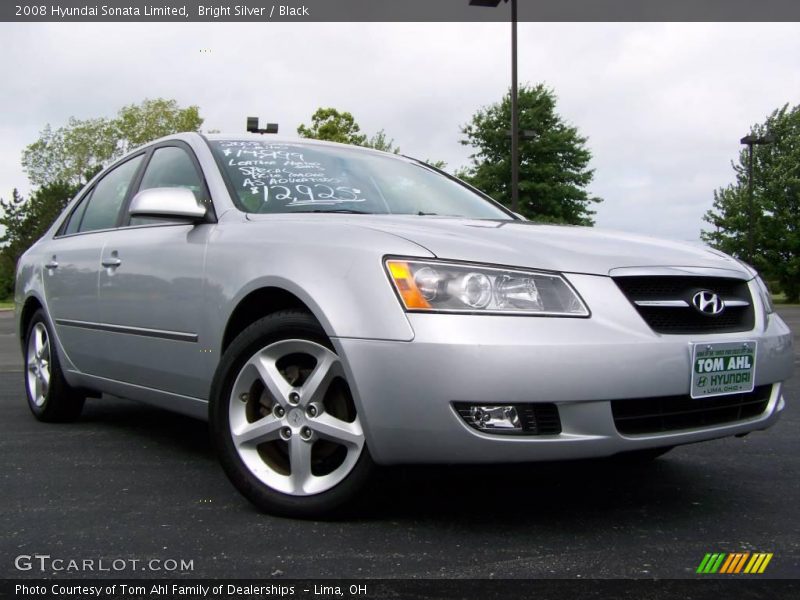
{"x": 750, "y": 141}
{"x": 514, "y": 100}
{"x": 514, "y": 113}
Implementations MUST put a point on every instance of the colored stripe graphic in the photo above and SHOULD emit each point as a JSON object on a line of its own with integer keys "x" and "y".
{"x": 704, "y": 563}
{"x": 727, "y": 564}
{"x": 741, "y": 562}
{"x": 765, "y": 563}
{"x": 733, "y": 563}
{"x": 758, "y": 563}
{"x": 717, "y": 565}
{"x": 711, "y": 563}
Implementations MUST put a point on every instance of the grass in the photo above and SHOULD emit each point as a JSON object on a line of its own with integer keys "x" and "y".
{"x": 6, "y": 305}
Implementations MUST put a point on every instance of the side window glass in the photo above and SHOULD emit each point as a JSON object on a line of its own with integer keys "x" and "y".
{"x": 108, "y": 196}
{"x": 172, "y": 167}
{"x": 75, "y": 218}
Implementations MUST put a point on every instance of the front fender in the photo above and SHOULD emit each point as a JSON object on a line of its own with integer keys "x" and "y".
{"x": 336, "y": 270}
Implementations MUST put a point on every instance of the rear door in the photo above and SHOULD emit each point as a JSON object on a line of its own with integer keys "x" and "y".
{"x": 151, "y": 286}
{"x": 72, "y": 265}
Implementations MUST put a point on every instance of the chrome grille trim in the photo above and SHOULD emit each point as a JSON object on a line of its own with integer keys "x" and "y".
{"x": 665, "y": 302}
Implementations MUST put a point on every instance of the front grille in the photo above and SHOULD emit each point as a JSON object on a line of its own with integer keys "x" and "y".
{"x": 686, "y": 319}
{"x": 535, "y": 418}
{"x": 670, "y": 413}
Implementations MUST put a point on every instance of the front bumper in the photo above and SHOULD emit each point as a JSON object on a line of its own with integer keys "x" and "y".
{"x": 405, "y": 390}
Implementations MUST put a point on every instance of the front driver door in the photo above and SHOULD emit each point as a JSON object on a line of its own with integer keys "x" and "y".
{"x": 151, "y": 288}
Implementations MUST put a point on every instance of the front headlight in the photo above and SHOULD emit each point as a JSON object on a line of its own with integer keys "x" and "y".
{"x": 766, "y": 297}
{"x": 432, "y": 286}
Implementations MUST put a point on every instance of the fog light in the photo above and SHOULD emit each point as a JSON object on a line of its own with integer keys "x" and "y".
{"x": 487, "y": 418}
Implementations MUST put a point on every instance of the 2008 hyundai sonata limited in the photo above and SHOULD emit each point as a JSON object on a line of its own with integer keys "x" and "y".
{"x": 330, "y": 308}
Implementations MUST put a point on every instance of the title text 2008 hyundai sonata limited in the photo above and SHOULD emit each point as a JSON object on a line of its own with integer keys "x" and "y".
{"x": 330, "y": 308}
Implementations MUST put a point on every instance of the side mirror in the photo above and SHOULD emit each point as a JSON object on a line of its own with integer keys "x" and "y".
{"x": 175, "y": 202}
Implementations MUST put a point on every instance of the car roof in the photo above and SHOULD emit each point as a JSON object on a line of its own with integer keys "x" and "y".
{"x": 273, "y": 139}
{"x": 194, "y": 138}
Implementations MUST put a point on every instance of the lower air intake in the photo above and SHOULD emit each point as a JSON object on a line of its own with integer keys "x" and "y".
{"x": 671, "y": 413}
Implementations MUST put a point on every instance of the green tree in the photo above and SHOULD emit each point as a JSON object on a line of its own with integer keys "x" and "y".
{"x": 137, "y": 124}
{"x": 75, "y": 152}
{"x": 554, "y": 163}
{"x": 334, "y": 126}
{"x": 380, "y": 141}
{"x": 11, "y": 219}
{"x": 71, "y": 153}
{"x": 776, "y": 204}
{"x": 25, "y": 221}
{"x": 7, "y": 273}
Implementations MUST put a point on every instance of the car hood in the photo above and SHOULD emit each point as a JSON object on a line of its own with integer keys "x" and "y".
{"x": 525, "y": 244}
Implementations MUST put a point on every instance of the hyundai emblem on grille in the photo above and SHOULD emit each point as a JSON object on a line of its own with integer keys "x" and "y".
{"x": 708, "y": 303}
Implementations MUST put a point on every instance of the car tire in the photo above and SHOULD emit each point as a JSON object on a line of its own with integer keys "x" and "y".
{"x": 50, "y": 398}
{"x": 283, "y": 419}
{"x": 640, "y": 457}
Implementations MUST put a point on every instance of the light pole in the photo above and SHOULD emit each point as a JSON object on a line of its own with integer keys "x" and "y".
{"x": 514, "y": 107}
{"x": 750, "y": 141}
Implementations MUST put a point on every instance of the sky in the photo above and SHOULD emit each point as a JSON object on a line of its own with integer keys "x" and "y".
{"x": 663, "y": 104}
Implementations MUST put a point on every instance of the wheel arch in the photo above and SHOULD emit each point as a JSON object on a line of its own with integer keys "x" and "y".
{"x": 261, "y": 302}
{"x": 33, "y": 302}
{"x": 29, "y": 308}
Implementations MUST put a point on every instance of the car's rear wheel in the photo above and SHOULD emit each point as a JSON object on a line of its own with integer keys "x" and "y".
{"x": 50, "y": 397}
{"x": 283, "y": 419}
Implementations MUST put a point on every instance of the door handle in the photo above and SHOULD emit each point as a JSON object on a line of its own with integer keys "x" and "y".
{"x": 111, "y": 262}
{"x": 53, "y": 264}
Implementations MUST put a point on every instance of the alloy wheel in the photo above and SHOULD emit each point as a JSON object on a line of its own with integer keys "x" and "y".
{"x": 38, "y": 364}
{"x": 292, "y": 418}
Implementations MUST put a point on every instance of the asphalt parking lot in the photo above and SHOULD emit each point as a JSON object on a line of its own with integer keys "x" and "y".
{"x": 132, "y": 482}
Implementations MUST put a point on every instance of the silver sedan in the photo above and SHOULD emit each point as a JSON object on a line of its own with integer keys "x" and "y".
{"x": 330, "y": 308}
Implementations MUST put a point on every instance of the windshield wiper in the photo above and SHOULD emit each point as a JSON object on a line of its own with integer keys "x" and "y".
{"x": 335, "y": 210}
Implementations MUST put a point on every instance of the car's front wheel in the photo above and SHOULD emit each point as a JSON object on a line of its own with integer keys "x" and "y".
{"x": 50, "y": 397}
{"x": 283, "y": 419}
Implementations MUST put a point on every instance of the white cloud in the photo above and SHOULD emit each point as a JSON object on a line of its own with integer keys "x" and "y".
{"x": 663, "y": 104}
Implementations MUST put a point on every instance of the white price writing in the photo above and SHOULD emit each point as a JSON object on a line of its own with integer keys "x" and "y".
{"x": 299, "y": 195}
{"x": 281, "y": 173}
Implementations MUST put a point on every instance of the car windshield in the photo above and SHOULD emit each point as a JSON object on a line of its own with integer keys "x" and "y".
{"x": 286, "y": 177}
